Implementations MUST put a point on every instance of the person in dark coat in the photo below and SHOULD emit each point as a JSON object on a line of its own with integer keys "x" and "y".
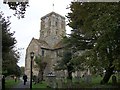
{"x": 25, "y": 79}
{"x": 3, "y": 83}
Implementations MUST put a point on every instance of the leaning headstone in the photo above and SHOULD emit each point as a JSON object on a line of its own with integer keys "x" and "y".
{"x": 114, "y": 80}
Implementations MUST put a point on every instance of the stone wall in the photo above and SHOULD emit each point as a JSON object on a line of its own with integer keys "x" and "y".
{"x": 52, "y": 28}
{"x": 33, "y": 46}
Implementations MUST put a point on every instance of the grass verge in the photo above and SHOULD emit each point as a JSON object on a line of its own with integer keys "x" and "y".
{"x": 11, "y": 83}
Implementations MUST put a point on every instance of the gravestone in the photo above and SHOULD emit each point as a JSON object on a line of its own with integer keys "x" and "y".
{"x": 51, "y": 79}
{"x": 114, "y": 80}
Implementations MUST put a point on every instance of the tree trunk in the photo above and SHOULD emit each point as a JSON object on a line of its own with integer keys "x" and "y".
{"x": 69, "y": 69}
{"x": 40, "y": 76}
{"x": 70, "y": 75}
{"x": 69, "y": 78}
{"x": 108, "y": 74}
{"x": 110, "y": 68}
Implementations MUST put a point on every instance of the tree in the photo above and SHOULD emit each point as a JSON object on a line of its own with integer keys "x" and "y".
{"x": 18, "y": 7}
{"x": 41, "y": 65}
{"x": 10, "y": 56}
{"x": 99, "y": 23}
{"x": 65, "y": 63}
{"x": 17, "y": 71}
{"x": 22, "y": 70}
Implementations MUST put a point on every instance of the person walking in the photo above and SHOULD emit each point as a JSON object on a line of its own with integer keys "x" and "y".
{"x": 25, "y": 79}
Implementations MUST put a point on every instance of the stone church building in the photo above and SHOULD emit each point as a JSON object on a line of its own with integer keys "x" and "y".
{"x": 48, "y": 45}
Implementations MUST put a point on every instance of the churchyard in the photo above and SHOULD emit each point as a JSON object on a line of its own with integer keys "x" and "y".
{"x": 94, "y": 43}
{"x": 77, "y": 82}
{"x": 84, "y": 82}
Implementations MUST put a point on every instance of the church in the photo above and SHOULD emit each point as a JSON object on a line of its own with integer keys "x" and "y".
{"x": 49, "y": 44}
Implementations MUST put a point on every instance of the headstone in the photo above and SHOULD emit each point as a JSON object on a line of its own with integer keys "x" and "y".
{"x": 51, "y": 79}
{"x": 114, "y": 80}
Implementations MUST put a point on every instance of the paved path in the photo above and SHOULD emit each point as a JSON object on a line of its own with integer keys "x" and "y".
{"x": 22, "y": 86}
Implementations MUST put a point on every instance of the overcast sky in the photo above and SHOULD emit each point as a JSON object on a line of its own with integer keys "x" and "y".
{"x": 29, "y": 27}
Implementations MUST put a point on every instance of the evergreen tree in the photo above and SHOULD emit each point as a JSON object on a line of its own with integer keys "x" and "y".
{"x": 64, "y": 63}
{"x": 10, "y": 56}
{"x": 98, "y": 28}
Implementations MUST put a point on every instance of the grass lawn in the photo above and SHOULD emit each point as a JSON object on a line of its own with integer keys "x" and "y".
{"x": 94, "y": 83}
{"x": 39, "y": 85}
{"x": 10, "y": 83}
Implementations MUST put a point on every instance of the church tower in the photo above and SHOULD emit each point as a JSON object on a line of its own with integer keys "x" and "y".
{"x": 52, "y": 28}
{"x": 49, "y": 44}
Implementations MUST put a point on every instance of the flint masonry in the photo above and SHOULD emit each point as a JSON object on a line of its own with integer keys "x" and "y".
{"x": 48, "y": 45}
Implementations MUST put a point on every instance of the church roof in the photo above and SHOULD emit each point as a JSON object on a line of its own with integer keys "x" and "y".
{"x": 49, "y": 14}
{"x": 46, "y": 45}
{"x": 59, "y": 45}
{"x": 38, "y": 42}
{"x": 43, "y": 44}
